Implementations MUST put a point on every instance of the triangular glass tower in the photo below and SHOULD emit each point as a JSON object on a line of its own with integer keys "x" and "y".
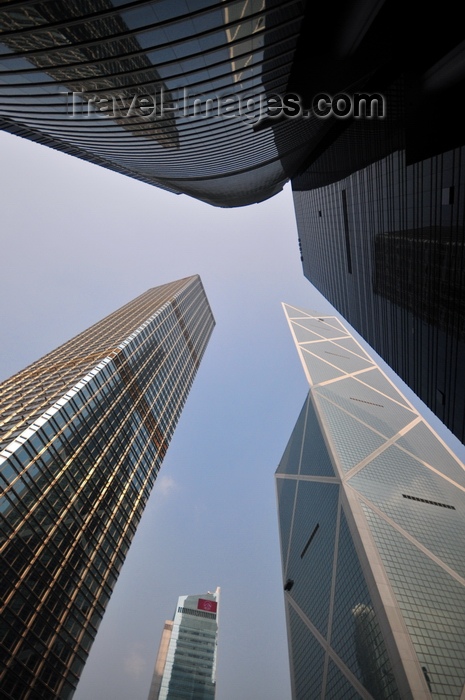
{"x": 372, "y": 522}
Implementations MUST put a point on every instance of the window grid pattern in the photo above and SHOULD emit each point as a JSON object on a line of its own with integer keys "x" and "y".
{"x": 315, "y": 457}
{"x": 405, "y": 295}
{"x": 385, "y": 417}
{"x": 27, "y": 394}
{"x": 189, "y": 670}
{"x": 355, "y": 633}
{"x": 441, "y": 530}
{"x": 290, "y": 461}
{"x": 319, "y": 370}
{"x": 74, "y": 492}
{"x": 422, "y": 443}
{"x": 316, "y": 503}
{"x": 337, "y": 685}
{"x": 431, "y": 602}
{"x": 346, "y": 435}
{"x": 308, "y": 657}
{"x": 118, "y": 86}
{"x": 343, "y": 361}
{"x": 381, "y": 450}
{"x": 286, "y": 498}
{"x": 376, "y": 380}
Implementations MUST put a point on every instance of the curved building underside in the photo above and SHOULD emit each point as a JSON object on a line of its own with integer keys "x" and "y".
{"x": 166, "y": 92}
{"x": 175, "y": 93}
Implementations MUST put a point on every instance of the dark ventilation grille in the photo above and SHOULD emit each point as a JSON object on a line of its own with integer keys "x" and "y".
{"x": 425, "y": 500}
{"x": 346, "y": 231}
{"x": 197, "y": 613}
{"x": 380, "y": 405}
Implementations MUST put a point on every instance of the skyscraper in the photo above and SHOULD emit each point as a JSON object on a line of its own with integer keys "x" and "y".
{"x": 85, "y": 430}
{"x": 380, "y": 202}
{"x": 372, "y": 524}
{"x": 186, "y": 661}
{"x": 168, "y": 93}
{"x": 386, "y": 246}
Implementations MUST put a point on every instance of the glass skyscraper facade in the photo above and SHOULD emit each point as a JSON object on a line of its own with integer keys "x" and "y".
{"x": 380, "y": 203}
{"x": 84, "y": 433}
{"x": 185, "y": 668}
{"x": 372, "y": 527}
{"x": 386, "y": 246}
{"x": 176, "y": 94}
{"x": 170, "y": 93}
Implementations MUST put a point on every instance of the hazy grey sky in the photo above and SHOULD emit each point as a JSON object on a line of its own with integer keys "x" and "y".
{"x": 78, "y": 242}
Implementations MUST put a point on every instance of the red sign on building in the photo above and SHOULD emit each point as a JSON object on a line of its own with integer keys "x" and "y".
{"x": 207, "y": 605}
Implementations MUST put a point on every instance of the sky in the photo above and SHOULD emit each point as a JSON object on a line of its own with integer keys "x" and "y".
{"x": 78, "y": 242}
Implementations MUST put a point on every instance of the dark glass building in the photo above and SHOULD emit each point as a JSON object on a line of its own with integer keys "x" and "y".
{"x": 380, "y": 203}
{"x": 372, "y": 529}
{"x": 84, "y": 433}
{"x": 386, "y": 246}
{"x": 187, "y": 657}
{"x": 170, "y": 93}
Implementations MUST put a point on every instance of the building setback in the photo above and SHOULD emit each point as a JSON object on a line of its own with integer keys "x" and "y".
{"x": 372, "y": 526}
{"x": 186, "y": 661}
{"x": 84, "y": 433}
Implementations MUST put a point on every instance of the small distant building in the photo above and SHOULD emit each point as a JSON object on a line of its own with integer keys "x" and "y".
{"x": 186, "y": 661}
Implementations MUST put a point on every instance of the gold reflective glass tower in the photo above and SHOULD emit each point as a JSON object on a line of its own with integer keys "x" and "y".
{"x": 84, "y": 433}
